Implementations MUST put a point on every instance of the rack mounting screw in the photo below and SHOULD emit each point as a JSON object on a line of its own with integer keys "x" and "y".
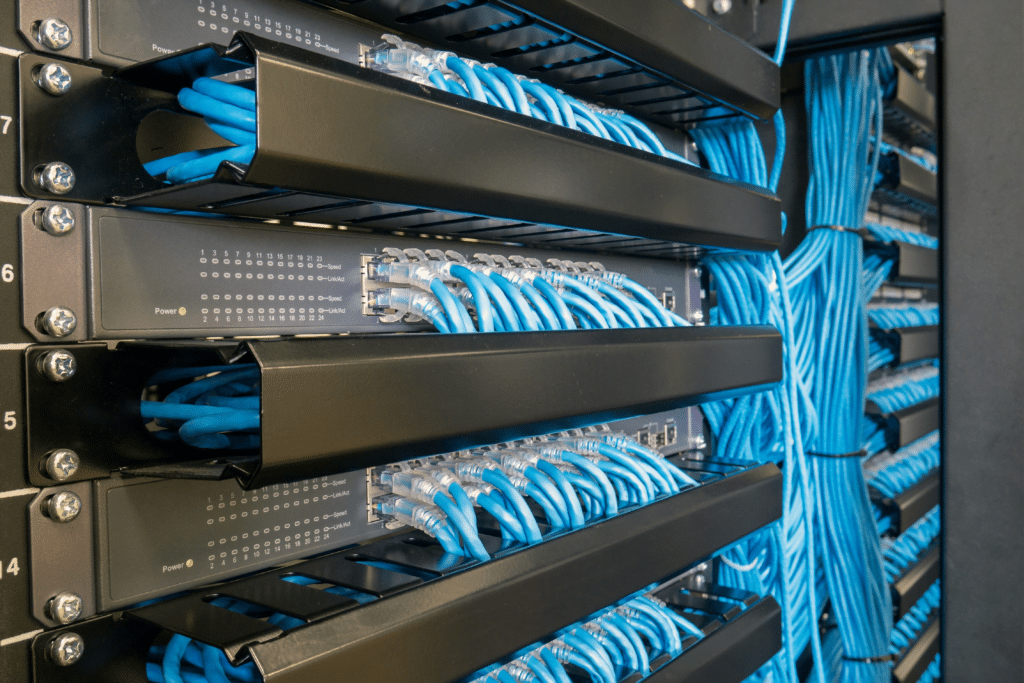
{"x": 65, "y": 607}
{"x": 64, "y": 506}
{"x": 54, "y": 34}
{"x": 57, "y": 220}
{"x": 66, "y": 649}
{"x": 58, "y": 366}
{"x": 721, "y": 6}
{"x": 62, "y": 464}
{"x": 56, "y": 177}
{"x": 59, "y": 321}
{"x": 54, "y": 79}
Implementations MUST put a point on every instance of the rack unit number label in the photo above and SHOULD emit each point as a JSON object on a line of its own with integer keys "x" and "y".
{"x": 12, "y": 567}
{"x": 6, "y": 120}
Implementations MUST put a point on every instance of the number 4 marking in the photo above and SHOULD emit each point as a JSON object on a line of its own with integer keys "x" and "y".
{"x": 7, "y": 123}
{"x": 12, "y": 567}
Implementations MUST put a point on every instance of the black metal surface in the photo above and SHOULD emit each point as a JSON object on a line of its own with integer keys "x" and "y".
{"x": 732, "y": 652}
{"x": 909, "y": 588}
{"x": 326, "y": 155}
{"x": 725, "y": 610}
{"x": 115, "y": 650}
{"x": 910, "y": 115}
{"x": 906, "y": 185}
{"x": 912, "y": 504}
{"x": 375, "y": 399}
{"x": 835, "y": 25}
{"x": 919, "y": 656}
{"x": 917, "y": 343}
{"x": 714, "y": 590}
{"x": 494, "y": 608}
{"x": 344, "y": 403}
{"x": 911, "y": 423}
{"x": 983, "y": 378}
{"x": 96, "y": 413}
{"x": 655, "y": 59}
{"x": 916, "y": 265}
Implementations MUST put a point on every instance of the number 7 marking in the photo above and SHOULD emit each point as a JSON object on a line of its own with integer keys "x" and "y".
{"x": 7, "y": 123}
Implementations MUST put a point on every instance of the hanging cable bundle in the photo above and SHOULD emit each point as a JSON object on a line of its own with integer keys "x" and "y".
{"x": 843, "y": 101}
{"x": 752, "y": 290}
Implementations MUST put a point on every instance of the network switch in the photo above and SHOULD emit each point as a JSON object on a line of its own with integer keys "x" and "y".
{"x": 153, "y": 537}
{"x": 141, "y": 275}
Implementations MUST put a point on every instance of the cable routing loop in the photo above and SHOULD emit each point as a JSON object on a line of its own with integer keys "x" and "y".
{"x": 857, "y": 454}
{"x": 862, "y": 232}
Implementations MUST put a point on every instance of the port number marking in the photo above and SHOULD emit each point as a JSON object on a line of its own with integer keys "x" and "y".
{"x": 10, "y": 421}
{"x": 7, "y": 123}
{"x": 7, "y": 272}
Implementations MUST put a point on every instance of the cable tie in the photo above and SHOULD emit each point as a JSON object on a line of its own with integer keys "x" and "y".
{"x": 872, "y": 660}
{"x": 863, "y": 232}
{"x": 859, "y": 454}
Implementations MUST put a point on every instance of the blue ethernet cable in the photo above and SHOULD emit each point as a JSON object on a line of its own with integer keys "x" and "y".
{"x": 888, "y": 317}
{"x": 718, "y": 144}
{"x": 546, "y": 490}
{"x": 906, "y": 467}
{"x": 909, "y": 545}
{"x": 934, "y": 671}
{"x": 424, "y": 488}
{"x": 904, "y": 390}
{"x": 506, "y": 519}
{"x": 528, "y": 318}
{"x": 544, "y": 101}
{"x": 909, "y": 628}
{"x": 888, "y": 233}
{"x": 561, "y": 481}
{"x": 484, "y": 309}
{"x": 650, "y": 475}
{"x": 609, "y": 498}
{"x": 458, "y": 318}
{"x": 494, "y": 84}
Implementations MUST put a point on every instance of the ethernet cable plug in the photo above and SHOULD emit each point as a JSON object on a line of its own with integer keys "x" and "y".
{"x": 409, "y": 302}
{"x": 520, "y": 672}
{"x": 417, "y": 273}
{"x": 427, "y": 518}
{"x": 404, "y": 61}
